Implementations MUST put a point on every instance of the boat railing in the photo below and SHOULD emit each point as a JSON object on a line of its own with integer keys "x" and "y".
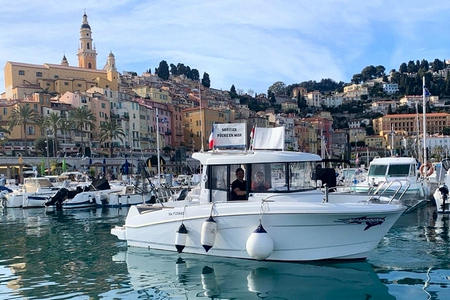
{"x": 408, "y": 184}
{"x": 385, "y": 186}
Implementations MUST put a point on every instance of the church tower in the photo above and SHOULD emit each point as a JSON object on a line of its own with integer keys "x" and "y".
{"x": 87, "y": 56}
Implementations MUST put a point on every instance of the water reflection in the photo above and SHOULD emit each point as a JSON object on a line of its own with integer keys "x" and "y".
{"x": 57, "y": 254}
{"x": 194, "y": 276}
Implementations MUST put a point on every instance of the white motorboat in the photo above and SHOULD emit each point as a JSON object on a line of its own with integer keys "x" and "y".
{"x": 397, "y": 174}
{"x": 34, "y": 193}
{"x": 289, "y": 221}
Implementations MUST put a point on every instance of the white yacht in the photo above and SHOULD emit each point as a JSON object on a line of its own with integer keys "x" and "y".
{"x": 34, "y": 193}
{"x": 290, "y": 220}
{"x": 393, "y": 174}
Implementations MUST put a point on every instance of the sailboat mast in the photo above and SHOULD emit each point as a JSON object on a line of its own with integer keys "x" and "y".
{"x": 418, "y": 129}
{"x": 424, "y": 122}
{"x": 157, "y": 147}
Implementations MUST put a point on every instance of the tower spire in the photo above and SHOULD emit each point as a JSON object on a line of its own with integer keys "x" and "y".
{"x": 87, "y": 56}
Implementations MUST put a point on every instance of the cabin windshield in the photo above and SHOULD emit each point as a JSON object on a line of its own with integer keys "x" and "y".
{"x": 377, "y": 170}
{"x": 399, "y": 170}
{"x": 281, "y": 177}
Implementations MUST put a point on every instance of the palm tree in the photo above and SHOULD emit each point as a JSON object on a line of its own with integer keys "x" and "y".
{"x": 22, "y": 115}
{"x": 82, "y": 118}
{"x": 42, "y": 123}
{"x": 53, "y": 122}
{"x": 109, "y": 131}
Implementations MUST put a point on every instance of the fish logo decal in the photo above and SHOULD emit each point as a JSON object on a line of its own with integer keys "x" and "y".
{"x": 369, "y": 221}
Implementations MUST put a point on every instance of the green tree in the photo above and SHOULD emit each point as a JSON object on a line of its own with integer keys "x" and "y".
{"x": 83, "y": 121}
{"x": 22, "y": 115}
{"x": 195, "y": 75}
{"x": 205, "y": 80}
{"x": 357, "y": 78}
{"x": 109, "y": 131}
{"x": 403, "y": 68}
{"x": 54, "y": 122}
{"x": 232, "y": 92}
{"x": 163, "y": 70}
{"x": 278, "y": 88}
{"x": 173, "y": 70}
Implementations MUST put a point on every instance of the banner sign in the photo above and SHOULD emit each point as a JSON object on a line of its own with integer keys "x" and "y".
{"x": 230, "y": 136}
{"x": 268, "y": 138}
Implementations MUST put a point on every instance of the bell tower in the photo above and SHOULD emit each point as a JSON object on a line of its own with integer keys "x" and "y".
{"x": 87, "y": 56}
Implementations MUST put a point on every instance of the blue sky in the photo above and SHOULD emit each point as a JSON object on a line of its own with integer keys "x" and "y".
{"x": 249, "y": 43}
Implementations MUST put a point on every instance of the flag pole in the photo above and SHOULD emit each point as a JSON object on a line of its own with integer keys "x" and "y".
{"x": 424, "y": 123}
{"x": 201, "y": 116}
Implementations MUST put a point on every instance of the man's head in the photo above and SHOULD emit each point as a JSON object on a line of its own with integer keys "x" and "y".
{"x": 240, "y": 173}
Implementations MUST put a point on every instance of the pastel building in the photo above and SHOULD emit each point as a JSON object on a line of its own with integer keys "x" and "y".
{"x": 23, "y": 79}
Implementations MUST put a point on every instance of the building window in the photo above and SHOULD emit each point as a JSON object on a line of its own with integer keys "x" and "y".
{"x": 5, "y": 111}
{"x": 103, "y": 105}
{"x": 79, "y": 85}
{"x": 56, "y": 76}
{"x": 48, "y": 84}
{"x": 88, "y": 46}
{"x": 21, "y": 72}
{"x": 30, "y": 130}
{"x": 89, "y": 66}
{"x": 38, "y": 74}
{"x": 66, "y": 83}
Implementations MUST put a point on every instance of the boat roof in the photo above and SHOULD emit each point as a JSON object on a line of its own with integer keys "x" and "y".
{"x": 393, "y": 161}
{"x": 252, "y": 157}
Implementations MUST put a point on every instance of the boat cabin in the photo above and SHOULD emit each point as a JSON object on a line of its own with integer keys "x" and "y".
{"x": 392, "y": 167}
{"x": 263, "y": 172}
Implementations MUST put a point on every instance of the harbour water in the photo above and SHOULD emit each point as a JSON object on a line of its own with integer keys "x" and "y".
{"x": 71, "y": 255}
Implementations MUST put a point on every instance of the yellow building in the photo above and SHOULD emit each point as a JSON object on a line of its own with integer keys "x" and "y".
{"x": 154, "y": 94}
{"x": 16, "y": 138}
{"x": 436, "y": 122}
{"x": 22, "y": 79}
{"x": 375, "y": 142}
{"x": 194, "y": 122}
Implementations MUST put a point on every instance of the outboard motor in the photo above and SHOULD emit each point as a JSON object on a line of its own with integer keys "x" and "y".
{"x": 444, "y": 192}
{"x": 58, "y": 198}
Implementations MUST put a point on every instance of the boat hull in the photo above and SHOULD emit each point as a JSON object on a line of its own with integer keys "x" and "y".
{"x": 299, "y": 232}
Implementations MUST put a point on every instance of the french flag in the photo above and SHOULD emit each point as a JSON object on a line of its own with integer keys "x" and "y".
{"x": 211, "y": 139}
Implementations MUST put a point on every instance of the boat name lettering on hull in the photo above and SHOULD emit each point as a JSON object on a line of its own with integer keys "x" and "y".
{"x": 369, "y": 221}
{"x": 176, "y": 213}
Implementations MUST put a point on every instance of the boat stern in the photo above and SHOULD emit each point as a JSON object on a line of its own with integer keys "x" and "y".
{"x": 120, "y": 232}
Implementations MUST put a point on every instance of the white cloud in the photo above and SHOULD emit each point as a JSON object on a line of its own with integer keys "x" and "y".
{"x": 247, "y": 43}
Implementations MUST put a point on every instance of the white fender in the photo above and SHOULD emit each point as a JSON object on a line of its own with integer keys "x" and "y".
{"x": 261, "y": 281}
{"x": 209, "y": 283}
{"x": 208, "y": 234}
{"x": 259, "y": 244}
{"x": 180, "y": 238}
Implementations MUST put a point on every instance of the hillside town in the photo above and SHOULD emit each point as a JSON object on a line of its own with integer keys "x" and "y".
{"x": 60, "y": 110}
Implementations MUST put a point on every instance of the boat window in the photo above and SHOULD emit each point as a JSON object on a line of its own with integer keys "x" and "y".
{"x": 398, "y": 170}
{"x": 261, "y": 178}
{"x": 412, "y": 170}
{"x": 278, "y": 177}
{"x": 300, "y": 176}
{"x": 219, "y": 178}
{"x": 377, "y": 170}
